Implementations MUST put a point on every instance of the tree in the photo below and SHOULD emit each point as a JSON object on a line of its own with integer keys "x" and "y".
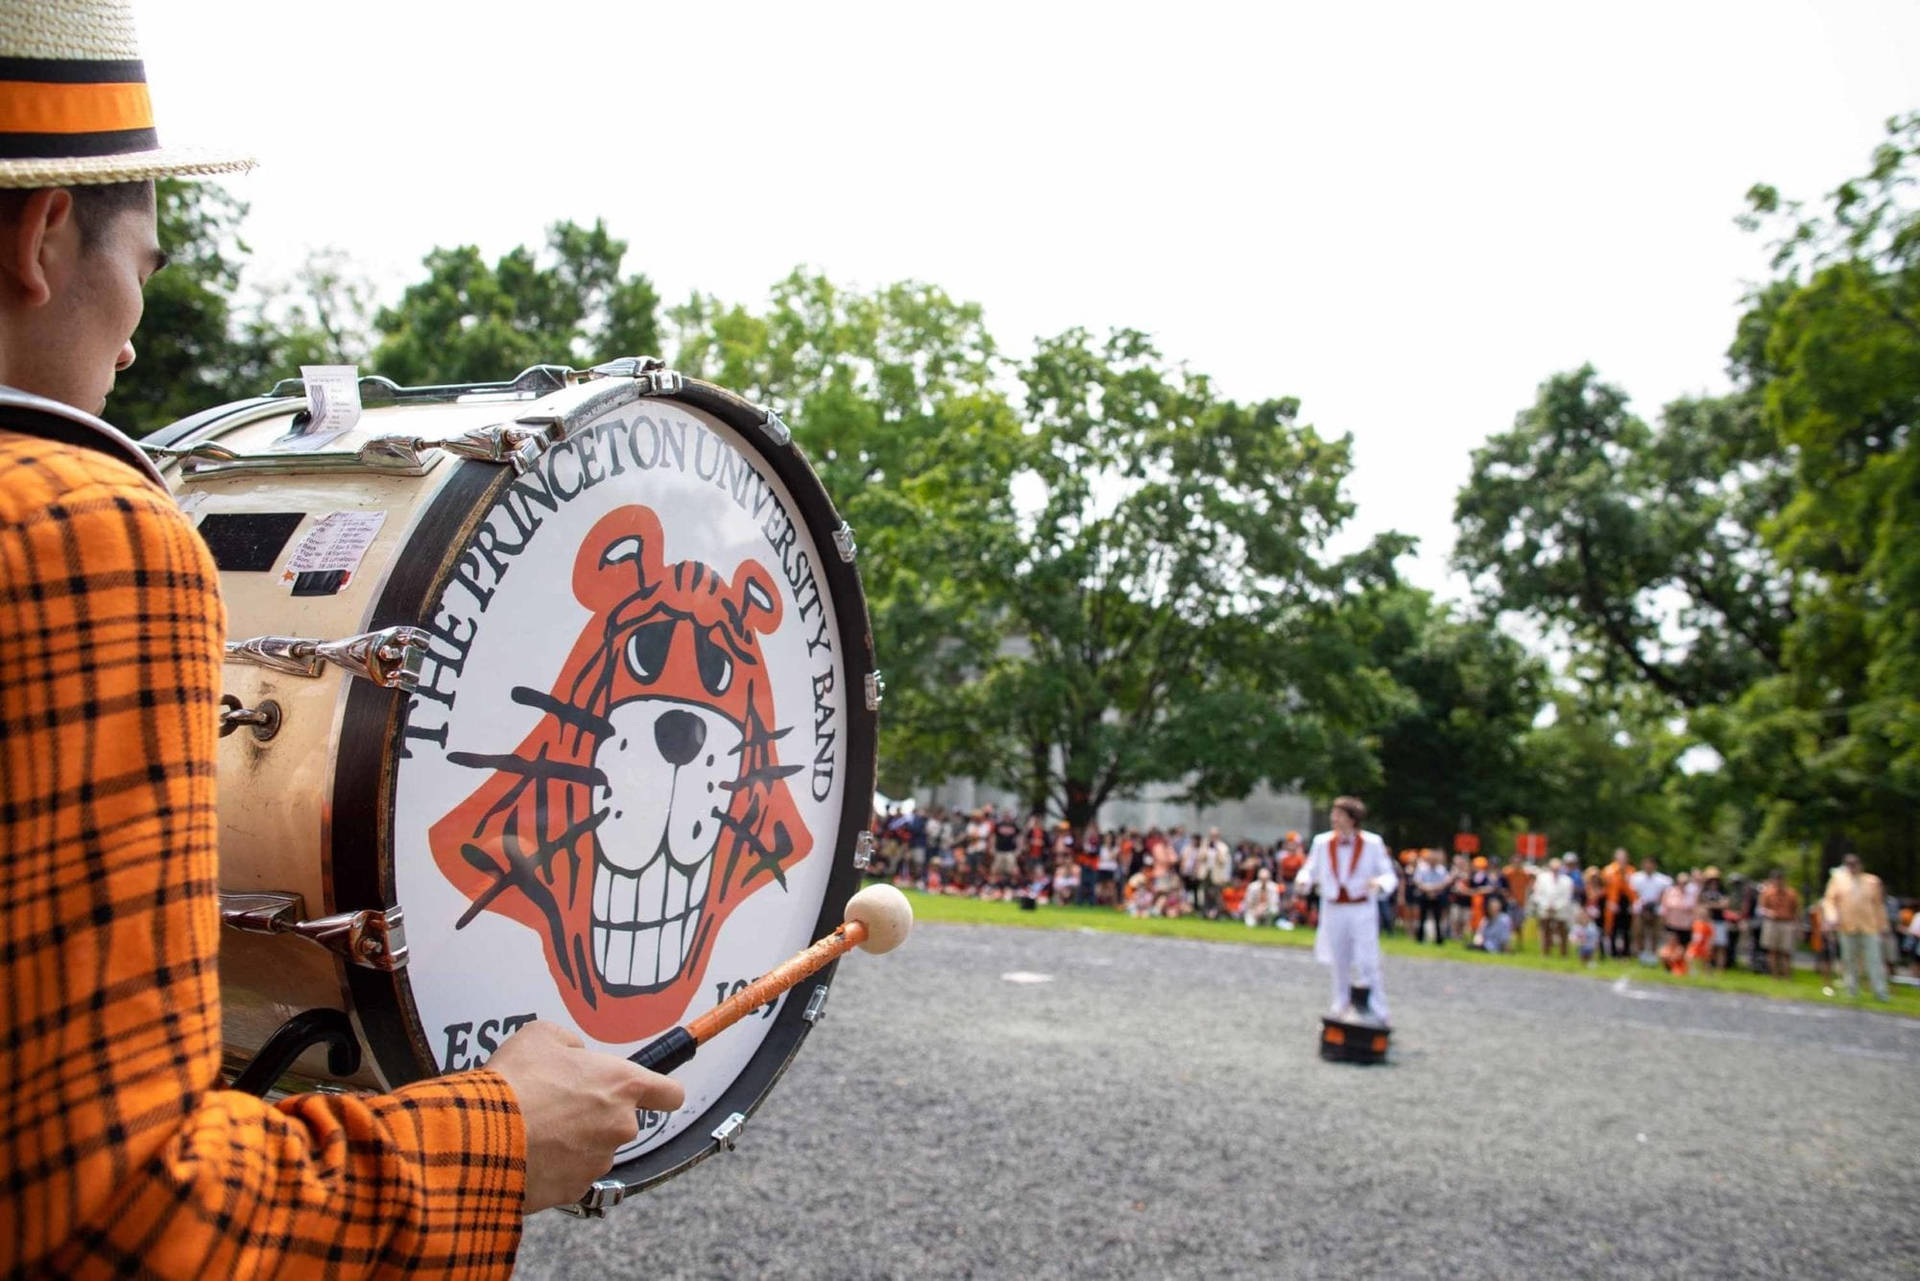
{"x": 471, "y": 322}
{"x": 1749, "y": 563}
{"x": 893, "y": 397}
{"x": 1453, "y": 748}
{"x": 1605, "y": 778}
{"x": 1836, "y": 734}
{"x": 1170, "y": 612}
{"x": 323, "y": 317}
{"x": 1638, "y": 548}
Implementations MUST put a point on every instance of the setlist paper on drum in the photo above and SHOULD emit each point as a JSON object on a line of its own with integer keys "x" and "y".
{"x": 325, "y": 558}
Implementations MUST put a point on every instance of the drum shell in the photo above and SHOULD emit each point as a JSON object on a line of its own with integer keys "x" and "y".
{"x": 276, "y": 798}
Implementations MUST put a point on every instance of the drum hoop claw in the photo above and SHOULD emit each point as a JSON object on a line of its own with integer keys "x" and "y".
{"x": 391, "y": 657}
{"x": 372, "y": 940}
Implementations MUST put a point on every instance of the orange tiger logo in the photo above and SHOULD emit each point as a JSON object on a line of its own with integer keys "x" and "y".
{"x": 649, "y": 802}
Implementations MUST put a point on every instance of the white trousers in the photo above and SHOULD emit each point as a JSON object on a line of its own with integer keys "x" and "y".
{"x": 1349, "y": 942}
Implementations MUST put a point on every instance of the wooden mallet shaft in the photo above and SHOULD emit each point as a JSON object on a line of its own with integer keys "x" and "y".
{"x": 877, "y": 919}
{"x": 777, "y": 980}
{"x": 670, "y": 1049}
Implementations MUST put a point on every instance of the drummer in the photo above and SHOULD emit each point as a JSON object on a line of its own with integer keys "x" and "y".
{"x": 122, "y": 1154}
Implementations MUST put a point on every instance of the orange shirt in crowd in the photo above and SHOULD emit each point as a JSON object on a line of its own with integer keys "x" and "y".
{"x": 1519, "y": 878}
{"x": 1779, "y": 904}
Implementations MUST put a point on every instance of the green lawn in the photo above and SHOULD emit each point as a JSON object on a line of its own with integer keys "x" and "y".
{"x": 1805, "y": 985}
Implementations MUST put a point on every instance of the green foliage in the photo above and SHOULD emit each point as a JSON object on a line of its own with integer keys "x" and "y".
{"x": 1640, "y": 548}
{"x": 894, "y": 397}
{"x": 1090, "y": 573}
{"x": 1159, "y": 606}
{"x": 1603, "y": 776}
{"x": 471, "y": 322}
{"x": 1171, "y": 613}
{"x": 1835, "y": 737}
{"x": 1748, "y": 563}
{"x": 1452, "y": 751}
{"x": 324, "y": 317}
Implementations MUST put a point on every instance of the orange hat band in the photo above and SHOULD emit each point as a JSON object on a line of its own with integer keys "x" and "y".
{"x": 53, "y": 108}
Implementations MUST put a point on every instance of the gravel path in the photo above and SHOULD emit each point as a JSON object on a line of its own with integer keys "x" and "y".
{"x": 1156, "y": 1108}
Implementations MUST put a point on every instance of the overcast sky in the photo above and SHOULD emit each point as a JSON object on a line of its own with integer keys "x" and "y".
{"x": 1405, "y": 215}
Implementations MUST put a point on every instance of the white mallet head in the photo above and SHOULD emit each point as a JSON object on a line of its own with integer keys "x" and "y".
{"x": 886, "y": 914}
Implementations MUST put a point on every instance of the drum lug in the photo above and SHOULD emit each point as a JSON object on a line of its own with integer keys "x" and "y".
{"x": 372, "y": 940}
{"x": 726, "y": 1136}
{"x": 628, "y": 367}
{"x": 390, "y": 658}
{"x": 843, "y": 542}
{"x": 593, "y": 1205}
{"x": 520, "y": 443}
{"x": 816, "y": 1005}
{"x": 406, "y": 449}
{"x": 863, "y": 850}
{"x": 773, "y": 428}
{"x": 650, "y": 372}
{"x": 876, "y": 687}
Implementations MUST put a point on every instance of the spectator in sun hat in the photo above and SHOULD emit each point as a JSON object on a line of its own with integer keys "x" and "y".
{"x": 122, "y": 1154}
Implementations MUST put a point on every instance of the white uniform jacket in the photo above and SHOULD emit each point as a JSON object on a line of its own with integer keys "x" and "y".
{"x": 1356, "y": 878}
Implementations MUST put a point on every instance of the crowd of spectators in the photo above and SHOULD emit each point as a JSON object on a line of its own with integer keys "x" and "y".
{"x": 1156, "y": 872}
{"x": 1682, "y": 922}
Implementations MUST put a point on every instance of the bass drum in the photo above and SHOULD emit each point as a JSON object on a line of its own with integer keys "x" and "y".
{"x": 615, "y": 764}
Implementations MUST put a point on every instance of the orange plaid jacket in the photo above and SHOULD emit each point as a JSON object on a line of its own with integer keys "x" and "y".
{"x": 118, "y": 1154}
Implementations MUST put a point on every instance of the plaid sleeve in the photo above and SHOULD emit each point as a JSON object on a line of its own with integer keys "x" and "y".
{"x": 117, "y": 1154}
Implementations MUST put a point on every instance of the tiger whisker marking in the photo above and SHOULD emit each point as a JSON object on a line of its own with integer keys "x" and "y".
{"x": 563, "y": 711}
{"x": 539, "y": 767}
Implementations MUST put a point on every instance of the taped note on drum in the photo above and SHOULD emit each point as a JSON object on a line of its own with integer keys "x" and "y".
{"x": 333, "y": 407}
{"x": 325, "y": 558}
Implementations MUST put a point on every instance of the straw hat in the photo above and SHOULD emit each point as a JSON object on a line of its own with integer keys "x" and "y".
{"x": 73, "y": 100}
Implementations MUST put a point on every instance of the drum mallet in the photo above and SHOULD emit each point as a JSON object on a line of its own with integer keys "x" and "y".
{"x": 877, "y": 920}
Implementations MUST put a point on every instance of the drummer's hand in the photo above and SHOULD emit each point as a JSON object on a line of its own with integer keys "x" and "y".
{"x": 578, "y": 1106}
